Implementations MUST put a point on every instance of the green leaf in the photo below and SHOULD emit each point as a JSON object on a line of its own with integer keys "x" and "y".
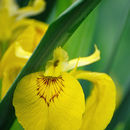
{"x": 127, "y": 125}
{"x": 58, "y": 33}
{"x": 61, "y": 5}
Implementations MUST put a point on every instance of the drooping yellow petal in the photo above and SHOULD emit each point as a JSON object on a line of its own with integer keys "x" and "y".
{"x": 84, "y": 60}
{"x": 100, "y": 104}
{"x": 49, "y": 103}
{"x": 9, "y": 75}
{"x": 34, "y": 8}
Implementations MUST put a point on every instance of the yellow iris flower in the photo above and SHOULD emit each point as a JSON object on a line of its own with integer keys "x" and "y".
{"x": 19, "y": 52}
{"x": 12, "y": 18}
{"x": 54, "y": 99}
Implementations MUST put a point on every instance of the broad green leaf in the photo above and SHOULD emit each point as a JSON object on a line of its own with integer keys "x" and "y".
{"x": 58, "y": 33}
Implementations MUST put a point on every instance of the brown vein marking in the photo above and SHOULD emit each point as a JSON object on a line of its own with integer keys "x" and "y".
{"x": 49, "y": 88}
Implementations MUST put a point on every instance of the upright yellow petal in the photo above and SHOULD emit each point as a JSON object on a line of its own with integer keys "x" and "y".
{"x": 84, "y": 60}
{"x": 49, "y": 103}
{"x": 59, "y": 62}
{"x": 100, "y": 105}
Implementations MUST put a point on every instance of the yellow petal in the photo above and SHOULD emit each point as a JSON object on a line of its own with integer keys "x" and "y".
{"x": 49, "y": 103}
{"x": 31, "y": 36}
{"x": 27, "y": 22}
{"x": 26, "y": 39}
{"x": 84, "y": 60}
{"x": 36, "y": 7}
{"x": 24, "y": 45}
{"x": 100, "y": 105}
{"x": 19, "y": 26}
{"x": 10, "y": 58}
{"x": 6, "y": 22}
{"x": 21, "y": 53}
{"x": 9, "y": 75}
